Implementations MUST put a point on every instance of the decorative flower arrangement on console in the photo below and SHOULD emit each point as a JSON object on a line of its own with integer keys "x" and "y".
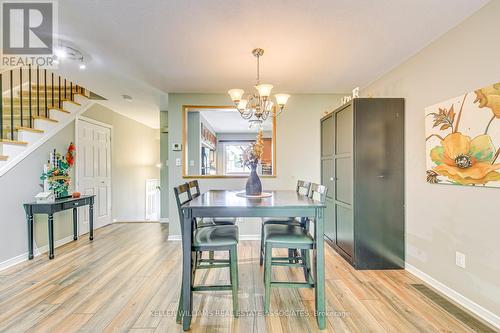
{"x": 463, "y": 148}
{"x": 56, "y": 173}
{"x": 252, "y": 156}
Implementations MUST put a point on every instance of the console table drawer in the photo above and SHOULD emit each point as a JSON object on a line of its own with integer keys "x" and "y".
{"x": 74, "y": 204}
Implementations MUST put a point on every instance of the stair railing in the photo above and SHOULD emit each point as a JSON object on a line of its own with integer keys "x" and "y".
{"x": 39, "y": 106}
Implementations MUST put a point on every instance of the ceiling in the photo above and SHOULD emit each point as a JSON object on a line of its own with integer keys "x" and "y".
{"x": 150, "y": 47}
{"x": 230, "y": 121}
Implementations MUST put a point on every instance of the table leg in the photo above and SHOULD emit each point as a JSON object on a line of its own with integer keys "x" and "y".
{"x": 75, "y": 224}
{"x": 50, "y": 223}
{"x": 29, "y": 219}
{"x": 320, "y": 268}
{"x": 186, "y": 270}
{"x": 91, "y": 221}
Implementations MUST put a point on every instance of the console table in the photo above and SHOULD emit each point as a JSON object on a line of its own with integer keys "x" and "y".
{"x": 50, "y": 208}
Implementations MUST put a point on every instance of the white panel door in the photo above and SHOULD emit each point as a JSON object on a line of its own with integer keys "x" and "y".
{"x": 152, "y": 199}
{"x": 94, "y": 172}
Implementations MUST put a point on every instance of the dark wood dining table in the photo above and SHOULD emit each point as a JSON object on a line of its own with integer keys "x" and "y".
{"x": 224, "y": 203}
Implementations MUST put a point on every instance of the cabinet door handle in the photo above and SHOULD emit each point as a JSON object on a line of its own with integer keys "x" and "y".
{"x": 331, "y": 178}
{"x": 381, "y": 176}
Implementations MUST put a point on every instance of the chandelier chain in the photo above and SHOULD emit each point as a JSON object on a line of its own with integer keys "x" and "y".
{"x": 258, "y": 69}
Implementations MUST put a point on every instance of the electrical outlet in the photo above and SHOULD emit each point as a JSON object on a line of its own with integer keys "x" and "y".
{"x": 178, "y": 162}
{"x": 460, "y": 259}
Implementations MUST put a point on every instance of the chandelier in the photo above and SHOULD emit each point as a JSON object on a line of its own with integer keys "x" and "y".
{"x": 258, "y": 106}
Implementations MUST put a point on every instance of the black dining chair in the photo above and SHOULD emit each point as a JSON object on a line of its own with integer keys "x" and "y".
{"x": 290, "y": 236}
{"x": 194, "y": 189}
{"x": 302, "y": 188}
{"x": 209, "y": 238}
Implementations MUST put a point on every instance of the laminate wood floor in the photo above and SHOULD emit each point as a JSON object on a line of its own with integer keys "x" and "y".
{"x": 128, "y": 280}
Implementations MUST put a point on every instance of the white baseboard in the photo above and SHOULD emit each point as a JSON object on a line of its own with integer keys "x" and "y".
{"x": 174, "y": 238}
{"x": 13, "y": 261}
{"x": 164, "y": 220}
{"x": 473, "y": 307}
{"x": 36, "y": 252}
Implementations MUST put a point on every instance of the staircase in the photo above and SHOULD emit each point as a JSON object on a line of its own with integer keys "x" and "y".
{"x": 34, "y": 104}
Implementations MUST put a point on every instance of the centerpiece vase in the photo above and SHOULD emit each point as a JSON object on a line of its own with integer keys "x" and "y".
{"x": 254, "y": 186}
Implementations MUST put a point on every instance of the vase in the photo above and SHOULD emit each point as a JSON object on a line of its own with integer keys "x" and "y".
{"x": 254, "y": 186}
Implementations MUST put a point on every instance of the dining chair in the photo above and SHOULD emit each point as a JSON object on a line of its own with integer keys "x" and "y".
{"x": 209, "y": 238}
{"x": 302, "y": 188}
{"x": 194, "y": 190}
{"x": 290, "y": 236}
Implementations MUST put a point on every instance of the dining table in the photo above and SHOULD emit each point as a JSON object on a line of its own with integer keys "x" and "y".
{"x": 229, "y": 203}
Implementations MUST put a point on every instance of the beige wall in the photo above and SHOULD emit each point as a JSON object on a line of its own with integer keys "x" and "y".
{"x": 443, "y": 219}
{"x": 135, "y": 155}
{"x": 297, "y": 140}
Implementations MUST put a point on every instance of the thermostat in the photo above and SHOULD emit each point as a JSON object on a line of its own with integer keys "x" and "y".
{"x": 176, "y": 147}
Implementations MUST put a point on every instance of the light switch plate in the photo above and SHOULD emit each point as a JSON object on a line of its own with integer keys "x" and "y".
{"x": 460, "y": 259}
{"x": 178, "y": 162}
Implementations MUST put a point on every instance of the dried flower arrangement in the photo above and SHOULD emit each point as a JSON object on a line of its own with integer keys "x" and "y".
{"x": 254, "y": 153}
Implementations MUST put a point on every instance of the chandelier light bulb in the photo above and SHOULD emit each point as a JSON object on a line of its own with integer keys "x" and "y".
{"x": 242, "y": 105}
{"x": 264, "y": 90}
{"x": 269, "y": 106}
{"x": 236, "y": 95}
{"x": 281, "y": 99}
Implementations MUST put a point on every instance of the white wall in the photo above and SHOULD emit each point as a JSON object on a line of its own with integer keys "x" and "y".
{"x": 297, "y": 140}
{"x": 443, "y": 219}
{"x": 135, "y": 156}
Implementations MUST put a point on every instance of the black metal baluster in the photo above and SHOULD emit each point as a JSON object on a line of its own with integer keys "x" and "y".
{"x": 11, "y": 105}
{"x": 60, "y": 102}
{"x": 53, "y": 104}
{"x": 65, "y": 97}
{"x": 29, "y": 95}
{"x": 1, "y": 107}
{"x": 45, "y": 88}
{"x": 71, "y": 90}
{"x": 21, "y": 94}
{"x": 38, "y": 91}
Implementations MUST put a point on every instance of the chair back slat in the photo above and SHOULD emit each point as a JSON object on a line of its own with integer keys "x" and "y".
{"x": 318, "y": 192}
{"x": 194, "y": 188}
{"x": 303, "y": 187}
{"x": 182, "y": 196}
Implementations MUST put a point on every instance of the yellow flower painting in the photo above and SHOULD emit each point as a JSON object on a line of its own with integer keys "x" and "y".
{"x": 463, "y": 139}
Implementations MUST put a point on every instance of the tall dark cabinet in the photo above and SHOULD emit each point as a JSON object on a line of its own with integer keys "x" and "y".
{"x": 362, "y": 163}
